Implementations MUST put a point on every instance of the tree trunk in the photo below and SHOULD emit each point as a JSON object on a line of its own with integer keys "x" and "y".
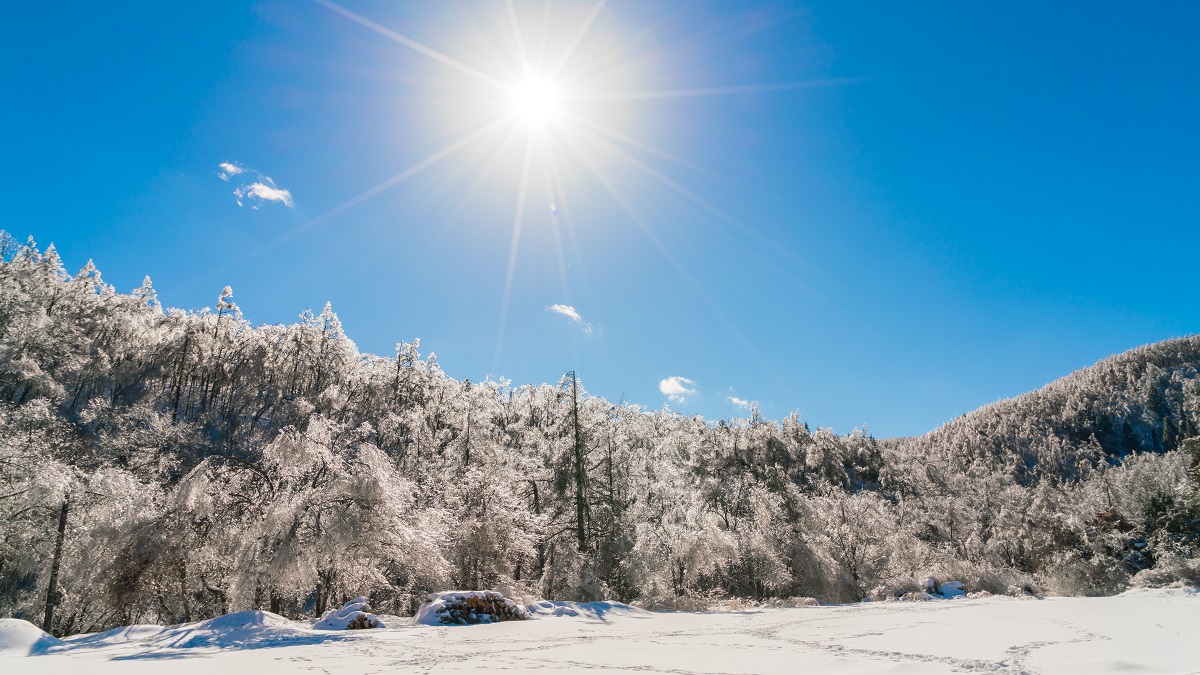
{"x": 52, "y": 589}
{"x": 580, "y": 470}
{"x": 540, "y": 563}
{"x": 183, "y": 593}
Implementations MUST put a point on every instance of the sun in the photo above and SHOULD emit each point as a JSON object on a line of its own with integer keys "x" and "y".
{"x": 565, "y": 89}
{"x": 535, "y": 101}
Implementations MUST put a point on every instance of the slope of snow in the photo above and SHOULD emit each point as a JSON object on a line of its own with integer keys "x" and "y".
{"x": 1140, "y": 631}
{"x": 587, "y": 610}
{"x": 19, "y": 638}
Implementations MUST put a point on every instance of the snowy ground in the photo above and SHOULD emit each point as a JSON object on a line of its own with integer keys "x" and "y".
{"x": 1138, "y": 632}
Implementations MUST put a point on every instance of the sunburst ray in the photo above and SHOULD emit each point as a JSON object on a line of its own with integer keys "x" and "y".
{"x": 556, "y": 233}
{"x": 564, "y": 205}
{"x": 514, "y": 247}
{"x": 394, "y": 180}
{"x": 700, "y": 92}
{"x": 411, "y": 44}
{"x": 687, "y": 194}
{"x": 633, "y": 142}
{"x": 679, "y": 268}
{"x": 516, "y": 29}
{"x": 366, "y": 194}
{"x": 578, "y": 38}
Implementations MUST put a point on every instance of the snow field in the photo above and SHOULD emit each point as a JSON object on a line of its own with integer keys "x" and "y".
{"x": 1136, "y": 632}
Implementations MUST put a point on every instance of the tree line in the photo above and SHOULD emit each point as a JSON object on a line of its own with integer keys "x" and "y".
{"x": 164, "y": 465}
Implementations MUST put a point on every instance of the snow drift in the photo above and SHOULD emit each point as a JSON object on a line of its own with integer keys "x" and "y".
{"x": 252, "y": 629}
{"x": 21, "y": 638}
{"x": 584, "y": 610}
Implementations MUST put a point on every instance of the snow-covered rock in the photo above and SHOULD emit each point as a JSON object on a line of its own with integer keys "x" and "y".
{"x": 353, "y": 615}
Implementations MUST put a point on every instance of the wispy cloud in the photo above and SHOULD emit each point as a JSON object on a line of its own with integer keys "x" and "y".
{"x": 229, "y": 169}
{"x": 257, "y": 192}
{"x": 677, "y": 388}
{"x": 262, "y": 192}
{"x": 572, "y": 314}
{"x": 739, "y": 402}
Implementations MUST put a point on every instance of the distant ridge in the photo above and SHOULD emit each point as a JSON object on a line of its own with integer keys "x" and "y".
{"x": 1143, "y": 400}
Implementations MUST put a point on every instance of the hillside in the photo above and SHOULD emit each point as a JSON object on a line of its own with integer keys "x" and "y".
{"x": 1144, "y": 400}
{"x": 211, "y": 465}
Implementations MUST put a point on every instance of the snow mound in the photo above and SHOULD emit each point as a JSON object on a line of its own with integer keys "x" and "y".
{"x": 240, "y": 629}
{"x": 254, "y": 619}
{"x": 252, "y": 629}
{"x": 353, "y": 615}
{"x": 21, "y": 638}
{"x": 468, "y": 608}
{"x": 587, "y": 610}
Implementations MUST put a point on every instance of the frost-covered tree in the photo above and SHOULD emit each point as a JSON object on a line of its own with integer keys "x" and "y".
{"x": 214, "y": 465}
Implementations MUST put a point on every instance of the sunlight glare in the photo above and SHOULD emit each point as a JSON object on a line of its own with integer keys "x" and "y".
{"x": 536, "y": 101}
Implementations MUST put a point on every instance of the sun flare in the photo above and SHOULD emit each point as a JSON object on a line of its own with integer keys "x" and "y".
{"x": 535, "y": 101}
{"x": 554, "y": 93}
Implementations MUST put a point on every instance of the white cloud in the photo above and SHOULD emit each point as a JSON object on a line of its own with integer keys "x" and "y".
{"x": 229, "y": 169}
{"x": 257, "y": 192}
{"x": 739, "y": 402}
{"x": 567, "y": 311}
{"x": 677, "y": 388}
{"x": 572, "y": 314}
{"x": 262, "y": 193}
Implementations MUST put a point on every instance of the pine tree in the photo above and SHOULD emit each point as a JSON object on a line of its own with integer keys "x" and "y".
{"x": 225, "y": 304}
{"x": 147, "y": 296}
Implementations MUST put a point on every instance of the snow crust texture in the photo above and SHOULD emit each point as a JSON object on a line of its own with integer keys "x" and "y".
{"x": 1140, "y": 632}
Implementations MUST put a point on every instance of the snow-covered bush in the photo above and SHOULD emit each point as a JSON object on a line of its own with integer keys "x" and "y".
{"x": 1172, "y": 569}
{"x": 1073, "y": 574}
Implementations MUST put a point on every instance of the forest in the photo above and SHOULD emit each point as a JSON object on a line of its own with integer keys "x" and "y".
{"x": 165, "y": 465}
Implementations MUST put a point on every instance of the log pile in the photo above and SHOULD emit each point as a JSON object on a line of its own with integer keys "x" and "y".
{"x": 479, "y": 607}
{"x": 361, "y": 622}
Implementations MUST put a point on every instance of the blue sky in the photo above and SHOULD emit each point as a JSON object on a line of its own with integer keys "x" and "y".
{"x": 932, "y": 206}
